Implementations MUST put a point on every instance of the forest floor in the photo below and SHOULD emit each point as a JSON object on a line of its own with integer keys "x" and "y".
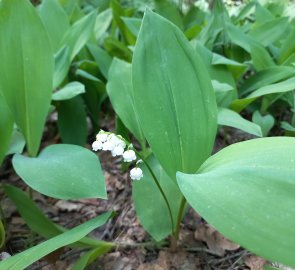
{"x": 201, "y": 246}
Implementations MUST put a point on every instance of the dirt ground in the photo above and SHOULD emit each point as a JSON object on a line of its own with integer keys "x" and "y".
{"x": 201, "y": 246}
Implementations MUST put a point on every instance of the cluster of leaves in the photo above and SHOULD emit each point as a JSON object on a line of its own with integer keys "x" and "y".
{"x": 172, "y": 77}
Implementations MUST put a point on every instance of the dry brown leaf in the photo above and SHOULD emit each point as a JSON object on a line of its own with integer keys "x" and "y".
{"x": 255, "y": 262}
{"x": 215, "y": 241}
{"x": 68, "y": 206}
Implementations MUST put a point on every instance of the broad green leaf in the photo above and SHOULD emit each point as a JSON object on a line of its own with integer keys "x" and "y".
{"x": 6, "y": 127}
{"x": 230, "y": 118}
{"x": 2, "y": 234}
{"x": 102, "y": 23}
{"x": 26, "y": 258}
{"x": 238, "y": 37}
{"x": 55, "y": 20}
{"x": 72, "y": 123}
{"x": 38, "y": 222}
{"x": 169, "y": 98}
{"x": 262, "y": 14}
{"x": 267, "y": 77}
{"x": 270, "y": 31}
{"x": 69, "y": 91}
{"x": 149, "y": 202}
{"x": 266, "y": 122}
{"x": 246, "y": 191}
{"x": 260, "y": 57}
{"x": 90, "y": 256}
{"x": 17, "y": 142}
{"x": 120, "y": 91}
{"x": 102, "y": 59}
{"x": 26, "y": 77}
{"x": 169, "y": 10}
{"x": 63, "y": 171}
{"x": 281, "y": 87}
{"x": 79, "y": 33}
{"x": 62, "y": 64}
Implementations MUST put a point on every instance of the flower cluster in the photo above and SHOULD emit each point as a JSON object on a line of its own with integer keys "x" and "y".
{"x": 107, "y": 141}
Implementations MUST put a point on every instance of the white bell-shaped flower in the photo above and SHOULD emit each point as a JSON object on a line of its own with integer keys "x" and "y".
{"x": 108, "y": 146}
{"x": 129, "y": 156}
{"x": 136, "y": 174}
{"x": 102, "y": 137}
{"x": 97, "y": 145}
{"x": 117, "y": 151}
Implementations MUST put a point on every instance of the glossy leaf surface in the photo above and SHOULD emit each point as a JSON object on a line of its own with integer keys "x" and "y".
{"x": 63, "y": 171}
{"x": 26, "y": 77}
{"x": 172, "y": 90}
{"x": 120, "y": 91}
{"x": 246, "y": 191}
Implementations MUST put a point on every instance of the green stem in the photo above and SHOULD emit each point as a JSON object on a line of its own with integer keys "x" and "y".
{"x": 179, "y": 217}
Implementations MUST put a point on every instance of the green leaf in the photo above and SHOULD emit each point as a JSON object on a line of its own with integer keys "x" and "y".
{"x": 55, "y": 20}
{"x": 270, "y": 31}
{"x": 69, "y": 91}
{"x": 169, "y": 10}
{"x": 26, "y": 258}
{"x": 63, "y": 171}
{"x": 120, "y": 91}
{"x": 88, "y": 257}
{"x": 169, "y": 98}
{"x": 288, "y": 46}
{"x": 218, "y": 59}
{"x": 102, "y": 23}
{"x": 266, "y": 122}
{"x": 2, "y": 234}
{"x": 266, "y": 77}
{"x": 149, "y": 202}
{"x": 79, "y": 33}
{"x": 38, "y": 222}
{"x": 17, "y": 142}
{"x": 61, "y": 65}
{"x": 118, "y": 12}
{"x": 117, "y": 49}
{"x": 246, "y": 191}
{"x": 6, "y": 126}
{"x": 72, "y": 123}
{"x": 281, "y": 87}
{"x": 26, "y": 77}
{"x": 287, "y": 126}
{"x": 230, "y": 118}
{"x": 102, "y": 59}
{"x": 239, "y": 38}
{"x": 133, "y": 24}
{"x": 260, "y": 57}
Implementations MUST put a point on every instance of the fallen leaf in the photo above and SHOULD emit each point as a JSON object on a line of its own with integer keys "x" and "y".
{"x": 215, "y": 241}
{"x": 68, "y": 206}
{"x": 255, "y": 262}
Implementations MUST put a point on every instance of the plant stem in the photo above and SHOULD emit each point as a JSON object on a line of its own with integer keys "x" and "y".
{"x": 179, "y": 217}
